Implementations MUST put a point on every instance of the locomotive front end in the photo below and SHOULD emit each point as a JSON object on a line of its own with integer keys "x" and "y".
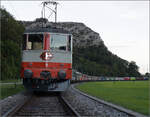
{"x": 46, "y": 59}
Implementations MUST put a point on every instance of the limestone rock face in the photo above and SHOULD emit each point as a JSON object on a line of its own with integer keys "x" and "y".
{"x": 83, "y": 36}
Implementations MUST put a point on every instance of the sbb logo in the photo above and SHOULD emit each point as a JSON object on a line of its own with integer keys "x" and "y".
{"x": 46, "y": 56}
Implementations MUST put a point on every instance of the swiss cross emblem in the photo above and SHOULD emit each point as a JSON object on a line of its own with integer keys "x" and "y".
{"x": 46, "y": 56}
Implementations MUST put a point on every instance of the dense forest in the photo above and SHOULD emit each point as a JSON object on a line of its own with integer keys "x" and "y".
{"x": 11, "y": 35}
{"x": 99, "y": 61}
{"x": 93, "y": 60}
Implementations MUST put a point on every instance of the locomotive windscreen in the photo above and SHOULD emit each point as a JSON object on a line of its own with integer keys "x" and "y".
{"x": 33, "y": 42}
{"x": 58, "y": 42}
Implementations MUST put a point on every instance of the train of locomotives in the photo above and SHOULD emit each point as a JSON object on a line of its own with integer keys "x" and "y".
{"x": 79, "y": 77}
{"x": 46, "y": 59}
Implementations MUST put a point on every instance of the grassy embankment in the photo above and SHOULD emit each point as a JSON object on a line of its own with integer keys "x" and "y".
{"x": 131, "y": 95}
{"x": 10, "y": 89}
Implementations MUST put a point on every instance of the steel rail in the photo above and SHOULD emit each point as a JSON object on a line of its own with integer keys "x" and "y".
{"x": 17, "y": 110}
{"x": 76, "y": 114}
{"x": 13, "y": 110}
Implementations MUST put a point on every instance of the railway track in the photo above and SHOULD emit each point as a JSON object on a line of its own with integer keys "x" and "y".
{"x": 80, "y": 104}
{"x": 43, "y": 105}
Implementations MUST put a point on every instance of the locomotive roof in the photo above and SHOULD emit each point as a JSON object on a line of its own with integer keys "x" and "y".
{"x": 46, "y": 29}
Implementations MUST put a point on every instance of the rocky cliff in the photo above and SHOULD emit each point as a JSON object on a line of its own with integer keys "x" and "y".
{"x": 82, "y": 35}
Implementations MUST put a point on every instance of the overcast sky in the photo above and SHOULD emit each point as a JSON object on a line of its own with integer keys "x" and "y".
{"x": 123, "y": 25}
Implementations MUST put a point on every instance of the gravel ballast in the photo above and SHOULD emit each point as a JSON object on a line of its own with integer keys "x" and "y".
{"x": 11, "y": 101}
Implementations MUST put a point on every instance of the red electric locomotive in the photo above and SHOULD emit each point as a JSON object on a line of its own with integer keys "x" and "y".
{"x": 46, "y": 59}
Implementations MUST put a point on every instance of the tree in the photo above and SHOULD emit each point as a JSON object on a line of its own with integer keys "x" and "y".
{"x": 133, "y": 69}
{"x": 147, "y": 74}
{"x": 11, "y": 36}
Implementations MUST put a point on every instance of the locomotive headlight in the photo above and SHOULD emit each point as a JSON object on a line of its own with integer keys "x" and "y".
{"x": 28, "y": 73}
{"x": 62, "y": 74}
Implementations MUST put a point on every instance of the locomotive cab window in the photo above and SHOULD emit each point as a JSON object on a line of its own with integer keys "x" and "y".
{"x": 58, "y": 42}
{"x": 33, "y": 42}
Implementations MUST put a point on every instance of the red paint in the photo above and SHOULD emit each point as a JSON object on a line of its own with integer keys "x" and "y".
{"x": 46, "y": 41}
{"x": 54, "y": 68}
{"x": 43, "y": 65}
{"x": 46, "y": 55}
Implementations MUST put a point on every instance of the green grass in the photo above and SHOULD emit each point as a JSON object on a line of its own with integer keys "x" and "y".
{"x": 10, "y": 80}
{"x": 129, "y": 94}
{"x": 10, "y": 89}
